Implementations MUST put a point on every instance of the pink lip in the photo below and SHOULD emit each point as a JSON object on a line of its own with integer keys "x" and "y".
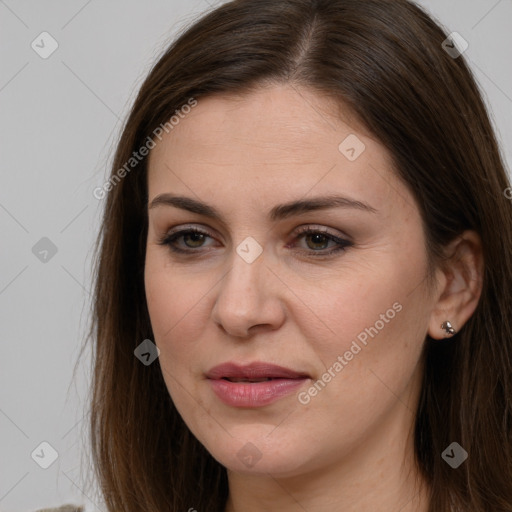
{"x": 253, "y": 394}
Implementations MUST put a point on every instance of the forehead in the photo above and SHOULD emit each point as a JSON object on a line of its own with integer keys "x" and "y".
{"x": 276, "y": 142}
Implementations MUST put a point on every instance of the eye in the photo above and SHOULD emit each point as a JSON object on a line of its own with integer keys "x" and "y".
{"x": 192, "y": 237}
{"x": 317, "y": 240}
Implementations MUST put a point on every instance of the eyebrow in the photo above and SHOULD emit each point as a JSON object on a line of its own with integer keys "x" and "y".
{"x": 279, "y": 212}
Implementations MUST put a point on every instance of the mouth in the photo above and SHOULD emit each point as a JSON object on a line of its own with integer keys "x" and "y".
{"x": 249, "y": 380}
{"x": 253, "y": 372}
{"x": 253, "y": 385}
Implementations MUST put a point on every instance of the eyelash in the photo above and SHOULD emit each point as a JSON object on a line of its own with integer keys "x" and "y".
{"x": 169, "y": 240}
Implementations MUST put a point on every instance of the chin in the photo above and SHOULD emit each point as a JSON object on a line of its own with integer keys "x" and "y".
{"x": 252, "y": 458}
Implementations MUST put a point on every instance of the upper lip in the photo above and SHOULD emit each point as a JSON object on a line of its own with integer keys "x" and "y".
{"x": 256, "y": 370}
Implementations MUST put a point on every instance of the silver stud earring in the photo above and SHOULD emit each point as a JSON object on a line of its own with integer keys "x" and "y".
{"x": 447, "y": 326}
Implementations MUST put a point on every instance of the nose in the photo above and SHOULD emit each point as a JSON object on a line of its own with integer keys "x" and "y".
{"x": 249, "y": 298}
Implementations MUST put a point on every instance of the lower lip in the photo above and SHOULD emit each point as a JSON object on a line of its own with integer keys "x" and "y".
{"x": 254, "y": 394}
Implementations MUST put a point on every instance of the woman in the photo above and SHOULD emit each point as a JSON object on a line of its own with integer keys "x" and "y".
{"x": 302, "y": 300}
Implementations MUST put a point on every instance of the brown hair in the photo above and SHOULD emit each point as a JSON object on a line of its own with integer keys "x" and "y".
{"x": 384, "y": 60}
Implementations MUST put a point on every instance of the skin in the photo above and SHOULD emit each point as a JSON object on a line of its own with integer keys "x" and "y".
{"x": 350, "y": 447}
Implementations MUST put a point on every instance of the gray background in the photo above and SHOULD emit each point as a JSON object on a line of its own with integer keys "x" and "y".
{"x": 60, "y": 118}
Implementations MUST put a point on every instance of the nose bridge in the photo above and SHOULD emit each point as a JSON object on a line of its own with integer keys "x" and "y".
{"x": 246, "y": 297}
{"x": 241, "y": 288}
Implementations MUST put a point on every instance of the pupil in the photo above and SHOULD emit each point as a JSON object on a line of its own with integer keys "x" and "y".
{"x": 196, "y": 237}
{"x": 317, "y": 239}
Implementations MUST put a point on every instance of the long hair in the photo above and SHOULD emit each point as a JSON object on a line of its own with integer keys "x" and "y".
{"x": 385, "y": 60}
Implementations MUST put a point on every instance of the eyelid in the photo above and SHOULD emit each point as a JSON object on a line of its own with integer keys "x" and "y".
{"x": 188, "y": 227}
{"x": 321, "y": 229}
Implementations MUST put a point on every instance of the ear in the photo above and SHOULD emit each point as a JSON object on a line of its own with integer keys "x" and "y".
{"x": 460, "y": 284}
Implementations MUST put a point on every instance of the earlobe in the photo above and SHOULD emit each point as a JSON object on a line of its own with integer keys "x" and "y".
{"x": 459, "y": 297}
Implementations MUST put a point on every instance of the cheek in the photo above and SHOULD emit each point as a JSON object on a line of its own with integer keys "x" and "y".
{"x": 375, "y": 317}
{"x": 365, "y": 362}
{"x": 370, "y": 296}
{"x": 175, "y": 304}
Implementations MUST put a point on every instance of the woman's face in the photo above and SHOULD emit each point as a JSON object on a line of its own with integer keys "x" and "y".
{"x": 345, "y": 308}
